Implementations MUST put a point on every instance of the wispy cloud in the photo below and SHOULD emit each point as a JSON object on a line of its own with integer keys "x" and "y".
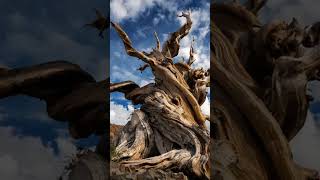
{"x": 199, "y": 31}
{"x": 131, "y": 9}
{"x": 121, "y": 74}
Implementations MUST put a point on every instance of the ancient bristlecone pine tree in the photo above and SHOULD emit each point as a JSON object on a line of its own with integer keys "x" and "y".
{"x": 260, "y": 75}
{"x": 168, "y": 132}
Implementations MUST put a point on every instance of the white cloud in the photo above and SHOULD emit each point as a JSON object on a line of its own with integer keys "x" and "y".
{"x": 118, "y": 10}
{"x": 164, "y": 37}
{"x": 28, "y": 158}
{"x": 121, "y": 74}
{"x": 66, "y": 146}
{"x": 201, "y": 52}
{"x": 126, "y": 9}
{"x": 200, "y": 29}
{"x": 306, "y": 145}
{"x": 200, "y": 18}
{"x": 130, "y": 9}
{"x": 158, "y": 18}
{"x": 205, "y": 107}
{"x": 119, "y": 114}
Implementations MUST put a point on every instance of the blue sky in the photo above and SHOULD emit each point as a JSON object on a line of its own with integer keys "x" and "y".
{"x": 33, "y": 146}
{"x": 140, "y": 19}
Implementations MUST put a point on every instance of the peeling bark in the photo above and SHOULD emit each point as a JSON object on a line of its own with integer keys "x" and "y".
{"x": 168, "y": 132}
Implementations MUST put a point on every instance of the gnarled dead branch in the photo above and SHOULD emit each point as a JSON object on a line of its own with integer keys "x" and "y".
{"x": 170, "y": 112}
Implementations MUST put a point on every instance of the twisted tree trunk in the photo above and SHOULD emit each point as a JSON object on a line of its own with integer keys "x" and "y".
{"x": 260, "y": 101}
{"x": 168, "y": 132}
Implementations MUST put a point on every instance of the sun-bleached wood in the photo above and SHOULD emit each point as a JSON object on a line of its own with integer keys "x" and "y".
{"x": 168, "y": 132}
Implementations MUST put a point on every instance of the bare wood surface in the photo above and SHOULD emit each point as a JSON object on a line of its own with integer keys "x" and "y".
{"x": 168, "y": 132}
{"x": 262, "y": 72}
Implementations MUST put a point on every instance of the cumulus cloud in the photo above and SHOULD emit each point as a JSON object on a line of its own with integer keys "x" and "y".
{"x": 131, "y": 9}
{"x": 125, "y": 9}
{"x": 205, "y": 107}
{"x": 306, "y": 145}
{"x": 119, "y": 114}
{"x": 28, "y": 158}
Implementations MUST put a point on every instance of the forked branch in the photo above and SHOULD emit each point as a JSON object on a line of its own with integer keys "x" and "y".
{"x": 172, "y": 46}
{"x": 128, "y": 45}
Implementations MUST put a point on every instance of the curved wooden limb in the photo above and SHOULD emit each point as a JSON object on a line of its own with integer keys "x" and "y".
{"x": 266, "y": 128}
{"x": 310, "y": 62}
{"x": 198, "y": 80}
{"x": 238, "y": 17}
{"x": 289, "y": 102}
{"x": 191, "y": 54}
{"x": 181, "y": 144}
{"x": 171, "y": 46}
{"x": 176, "y": 128}
{"x": 173, "y": 113}
{"x": 136, "y": 140}
{"x": 158, "y": 47}
{"x": 124, "y": 87}
{"x": 44, "y": 81}
{"x": 265, "y": 81}
{"x": 227, "y": 56}
{"x": 67, "y": 90}
{"x": 171, "y": 159}
{"x": 128, "y": 45}
{"x": 142, "y": 68}
{"x": 132, "y": 91}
